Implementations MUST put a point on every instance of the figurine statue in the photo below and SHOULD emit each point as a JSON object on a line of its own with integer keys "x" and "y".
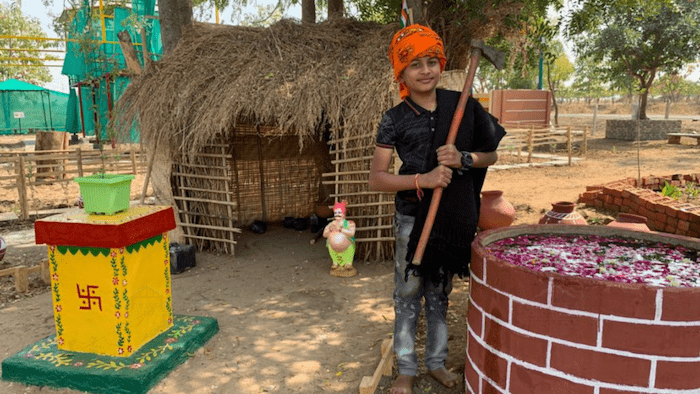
{"x": 340, "y": 234}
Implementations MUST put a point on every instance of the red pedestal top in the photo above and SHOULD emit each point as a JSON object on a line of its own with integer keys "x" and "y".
{"x": 78, "y": 228}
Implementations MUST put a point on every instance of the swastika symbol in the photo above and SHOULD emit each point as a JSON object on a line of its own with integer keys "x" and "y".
{"x": 88, "y": 297}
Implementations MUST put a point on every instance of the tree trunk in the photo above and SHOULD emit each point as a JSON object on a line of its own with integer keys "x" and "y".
{"x": 417, "y": 7}
{"x": 175, "y": 15}
{"x": 552, "y": 88}
{"x": 132, "y": 62}
{"x": 308, "y": 11}
{"x": 335, "y": 9}
{"x": 642, "y": 111}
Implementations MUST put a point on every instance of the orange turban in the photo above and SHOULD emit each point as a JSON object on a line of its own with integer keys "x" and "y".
{"x": 410, "y": 43}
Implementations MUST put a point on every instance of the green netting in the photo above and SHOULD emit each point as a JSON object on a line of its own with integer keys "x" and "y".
{"x": 93, "y": 61}
{"x": 26, "y": 106}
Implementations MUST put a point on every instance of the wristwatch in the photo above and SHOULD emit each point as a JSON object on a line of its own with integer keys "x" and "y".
{"x": 467, "y": 160}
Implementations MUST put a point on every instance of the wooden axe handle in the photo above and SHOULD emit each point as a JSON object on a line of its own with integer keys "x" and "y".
{"x": 451, "y": 137}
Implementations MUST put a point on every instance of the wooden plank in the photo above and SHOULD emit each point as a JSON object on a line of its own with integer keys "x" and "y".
{"x": 369, "y": 383}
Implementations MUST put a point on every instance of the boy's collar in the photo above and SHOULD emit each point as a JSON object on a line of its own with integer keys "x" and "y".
{"x": 417, "y": 109}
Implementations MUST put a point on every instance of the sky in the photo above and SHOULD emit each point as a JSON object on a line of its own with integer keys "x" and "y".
{"x": 35, "y": 9}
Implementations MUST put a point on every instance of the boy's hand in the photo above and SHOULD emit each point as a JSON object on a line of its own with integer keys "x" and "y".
{"x": 440, "y": 176}
{"x": 449, "y": 156}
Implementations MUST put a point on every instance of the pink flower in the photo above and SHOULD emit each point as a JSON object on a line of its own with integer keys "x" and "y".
{"x": 170, "y": 340}
{"x": 170, "y": 320}
{"x": 78, "y": 364}
{"x": 58, "y": 308}
{"x": 117, "y": 314}
{"x": 136, "y": 366}
{"x": 115, "y": 281}
{"x": 60, "y": 341}
{"x": 113, "y": 254}
{"x": 121, "y": 250}
{"x": 53, "y": 248}
{"x": 124, "y": 282}
{"x": 54, "y": 277}
{"x": 120, "y": 351}
{"x": 126, "y": 315}
{"x": 129, "y": 349}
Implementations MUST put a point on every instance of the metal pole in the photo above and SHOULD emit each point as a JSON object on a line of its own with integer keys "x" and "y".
{"x": 43, "y": 106}
{"x": 50, "y": 115}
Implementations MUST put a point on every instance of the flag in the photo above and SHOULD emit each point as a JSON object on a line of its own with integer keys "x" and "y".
{"x": 404, "y": 14}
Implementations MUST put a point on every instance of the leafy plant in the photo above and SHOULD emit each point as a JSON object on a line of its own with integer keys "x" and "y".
{"x": 692, "y": 190}
{"x": 671, "y": 191}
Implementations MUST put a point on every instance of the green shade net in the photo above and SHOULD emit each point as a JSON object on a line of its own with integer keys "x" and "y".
{"x": 26, "y": 106}
{"x": 100, "y": 63}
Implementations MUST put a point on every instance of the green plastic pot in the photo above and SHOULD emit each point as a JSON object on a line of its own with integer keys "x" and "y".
{"x": 105, "y": 193}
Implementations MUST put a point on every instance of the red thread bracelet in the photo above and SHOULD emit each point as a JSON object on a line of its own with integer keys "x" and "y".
{"x": 419, "y": 192}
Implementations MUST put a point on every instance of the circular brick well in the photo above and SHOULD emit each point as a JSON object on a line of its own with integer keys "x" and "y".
{"x": 538, "y": 332}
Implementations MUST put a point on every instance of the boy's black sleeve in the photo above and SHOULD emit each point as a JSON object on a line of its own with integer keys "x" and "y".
{"x": 386, "y": 135}
{"x": 487, "y": 131}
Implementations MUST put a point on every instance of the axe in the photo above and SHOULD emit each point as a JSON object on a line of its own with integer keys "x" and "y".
{"x": 497, "y": 58}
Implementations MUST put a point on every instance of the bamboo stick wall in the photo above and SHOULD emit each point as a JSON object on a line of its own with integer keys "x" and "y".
{"x": 371, "y": 211}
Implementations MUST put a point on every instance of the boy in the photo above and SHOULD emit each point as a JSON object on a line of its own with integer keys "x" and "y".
{"x": 417, "y": 128}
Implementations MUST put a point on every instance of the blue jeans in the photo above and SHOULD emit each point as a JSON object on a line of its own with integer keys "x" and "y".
{"x": 407, "y": 306}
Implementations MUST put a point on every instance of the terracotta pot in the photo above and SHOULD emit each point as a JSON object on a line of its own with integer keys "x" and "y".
{"x": 324, "y": 211}
{"x": 562, "y": 213}
{"x": 495, "y": 210}
{"x": 630, "y": 221}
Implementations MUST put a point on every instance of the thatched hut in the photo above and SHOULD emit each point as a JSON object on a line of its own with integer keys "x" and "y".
{"x": 265, "y": 123}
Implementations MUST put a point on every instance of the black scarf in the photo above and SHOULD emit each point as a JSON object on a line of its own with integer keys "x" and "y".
{"x": 448, "y": 251}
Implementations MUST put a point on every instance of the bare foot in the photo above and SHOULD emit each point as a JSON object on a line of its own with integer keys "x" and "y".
{"x": 445, "y": 377}
{"x": 402, "y": 385}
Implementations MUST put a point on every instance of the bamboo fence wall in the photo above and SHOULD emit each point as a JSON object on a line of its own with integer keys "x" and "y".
{"x": 23, "y": 170}
{"x": 253, "y": 175}
{"x": 372, "y": 212}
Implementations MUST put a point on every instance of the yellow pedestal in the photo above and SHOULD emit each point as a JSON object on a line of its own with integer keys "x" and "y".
{"x": 109, "y": 300}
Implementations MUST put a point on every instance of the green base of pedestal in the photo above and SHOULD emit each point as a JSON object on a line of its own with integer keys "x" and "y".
{"x": 43, "y": 364}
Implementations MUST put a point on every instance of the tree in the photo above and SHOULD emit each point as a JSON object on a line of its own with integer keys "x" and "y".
{"x": 335, "y": 9}
{"x": 308, "y": 11}
{"x": 558, "y": 71}
{"x": 174, "y": 16}
{"x": 638, "y": 39}
{"x": 23, "y": 58}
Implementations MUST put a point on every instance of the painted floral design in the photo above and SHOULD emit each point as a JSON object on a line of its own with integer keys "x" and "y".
{"x": 613, "y": 259}
{"x": 47, "y": 352}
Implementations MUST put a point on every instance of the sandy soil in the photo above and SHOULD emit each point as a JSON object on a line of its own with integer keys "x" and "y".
{"x": 289, "y": 327}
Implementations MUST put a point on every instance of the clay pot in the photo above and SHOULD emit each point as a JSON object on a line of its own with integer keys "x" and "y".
{"x": 338, "y": 242}
{"x": 324, "y": 211}
{"x": 495, "y": 210}
{"x": 630, "y": 221}
{"x": 562, "y": 213}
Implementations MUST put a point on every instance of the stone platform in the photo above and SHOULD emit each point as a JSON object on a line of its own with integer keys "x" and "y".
{"x": 43, "y": 364}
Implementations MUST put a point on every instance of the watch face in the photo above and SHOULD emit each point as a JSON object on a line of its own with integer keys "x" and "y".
{"x": 467, "y": 160}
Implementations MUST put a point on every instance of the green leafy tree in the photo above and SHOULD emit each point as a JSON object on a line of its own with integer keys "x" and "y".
{"x": 638, "y": 39}
{"x": 559, "y": 70}
{"x": 23, "y": 58}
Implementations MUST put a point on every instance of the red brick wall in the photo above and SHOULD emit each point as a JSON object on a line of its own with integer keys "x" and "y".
{"x": 535, "y": 332}
{"x": 663, "y": 213}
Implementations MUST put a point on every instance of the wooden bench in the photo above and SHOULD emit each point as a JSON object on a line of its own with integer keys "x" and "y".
{"x": 675, "y": 138}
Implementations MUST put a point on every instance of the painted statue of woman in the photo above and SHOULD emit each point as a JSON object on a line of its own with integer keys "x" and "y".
{"x": 340, "y": 234}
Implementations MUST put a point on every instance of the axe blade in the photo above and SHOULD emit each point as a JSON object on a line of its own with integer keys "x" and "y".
{"x": 496, "y": 57}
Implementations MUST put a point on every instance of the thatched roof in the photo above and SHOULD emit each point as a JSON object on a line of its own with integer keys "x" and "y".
{"x": 294, "y": 76}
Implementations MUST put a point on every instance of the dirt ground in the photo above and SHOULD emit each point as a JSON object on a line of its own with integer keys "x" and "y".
{"x": 286, "y": 326}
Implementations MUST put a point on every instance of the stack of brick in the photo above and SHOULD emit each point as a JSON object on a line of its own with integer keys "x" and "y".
{"x": 663, "y": 213}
